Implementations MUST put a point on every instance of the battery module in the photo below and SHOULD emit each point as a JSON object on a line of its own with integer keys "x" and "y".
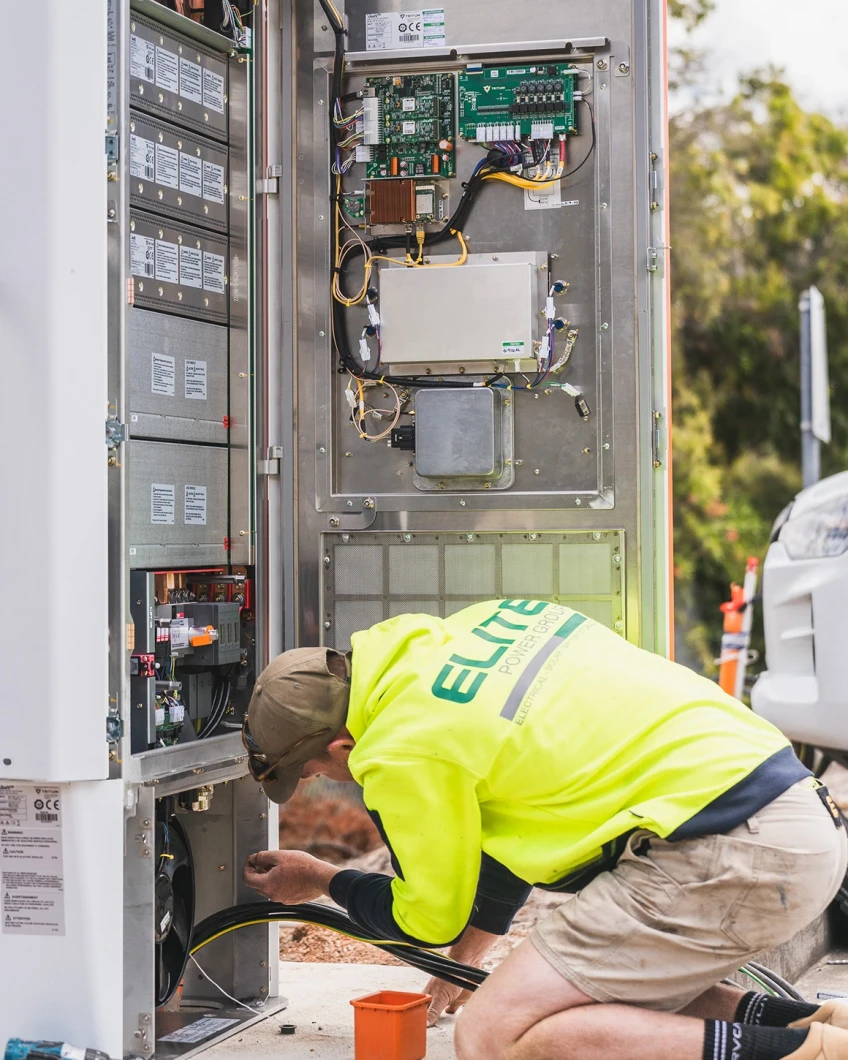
{"x": 408, "y": 126}
{"x": 517, "y": 102}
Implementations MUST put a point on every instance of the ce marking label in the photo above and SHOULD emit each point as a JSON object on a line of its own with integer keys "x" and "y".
{"x": 47, "y": 804}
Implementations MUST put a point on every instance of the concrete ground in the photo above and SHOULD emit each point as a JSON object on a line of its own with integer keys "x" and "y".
{"x": 319, "y": 1006}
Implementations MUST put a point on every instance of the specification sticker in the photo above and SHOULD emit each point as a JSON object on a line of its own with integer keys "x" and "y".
{"x": 191, "y": 85}
{"x": 141, "y": 157}
{"x": 195, "y": 379}
{"x": 162, "y": 504}
{"x": 213, "y": 91}
{"x": 405, "y": 29}
{"x": 141, "y": 255}
{"x": 213, "y": 182}
{"x": 167, "y": 70}
{"x": 167, "y": 166}
{"x": 31, "y": 860}
{"x": 163, "y": 375}
{"x": 191, "y": 267}
{"x": 199, "y": 1030}
{"x": 195, "y": 505}
{"x": 190, "y": 179}
{"x": 213, "y": 273}
{"x": 167, "y": 261}
{"x": 142, "y": 58}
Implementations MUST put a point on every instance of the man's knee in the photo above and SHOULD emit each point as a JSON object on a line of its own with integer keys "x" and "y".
{"x": 475, "y": 1038}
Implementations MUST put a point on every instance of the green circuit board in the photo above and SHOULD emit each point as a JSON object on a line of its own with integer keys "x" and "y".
{"x": 517, "y": 102}
{"x": 409, "y": 124}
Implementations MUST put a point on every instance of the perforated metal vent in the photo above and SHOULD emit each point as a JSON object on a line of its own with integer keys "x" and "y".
{"x": 369, "y": 577}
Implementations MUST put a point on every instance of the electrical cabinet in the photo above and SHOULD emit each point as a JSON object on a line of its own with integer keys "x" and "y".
{"x": 392, "y": 343}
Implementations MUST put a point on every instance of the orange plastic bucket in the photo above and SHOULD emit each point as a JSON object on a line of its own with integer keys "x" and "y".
{"x": 390, "y": 1025}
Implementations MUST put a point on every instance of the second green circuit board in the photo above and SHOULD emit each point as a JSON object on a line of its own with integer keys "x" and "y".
{"x": 409, "y": 126}
{"x": 517, "y": 102}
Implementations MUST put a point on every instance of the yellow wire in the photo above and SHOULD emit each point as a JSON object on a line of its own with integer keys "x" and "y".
{"x": 519, "y": 182}
{"x": 338, "y": 931}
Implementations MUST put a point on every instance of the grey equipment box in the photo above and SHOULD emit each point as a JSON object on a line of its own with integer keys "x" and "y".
{"x": 178, "y": 269}
{"x": 177, "y": 78}
{"x": 178, "y": 378}
{"x": 178, "y": 505}
{"x": 177, "y": 174}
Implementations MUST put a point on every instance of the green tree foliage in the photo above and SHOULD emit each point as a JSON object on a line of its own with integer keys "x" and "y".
{"x": 759, "y": 211}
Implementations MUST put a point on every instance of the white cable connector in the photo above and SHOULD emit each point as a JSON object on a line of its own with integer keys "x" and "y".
{"x": 364, "y": 351}
{"x": 351, "y": 399}
{"x": 572, "y": 391}
{"x": 373, "y": 315}
{"x": 550, "y": 311}
{"x": 545, "y": 349}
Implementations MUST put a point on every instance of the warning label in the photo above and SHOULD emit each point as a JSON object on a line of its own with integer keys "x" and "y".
{"x": 195, "y": 505}
{"x": 162, "y": 504}
{"x": 31, "y": 873}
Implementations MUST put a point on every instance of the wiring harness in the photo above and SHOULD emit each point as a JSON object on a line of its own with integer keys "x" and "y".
{"x": 432, "y": 963}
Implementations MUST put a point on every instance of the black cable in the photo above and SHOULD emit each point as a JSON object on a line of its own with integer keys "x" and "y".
{"x": 591, "y": 150}
{"x": 777, "y": 981}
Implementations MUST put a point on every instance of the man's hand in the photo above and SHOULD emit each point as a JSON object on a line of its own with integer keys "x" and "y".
{"x": 471, "y": 949}
{"x": 446, "y": 997}
{"x": 289, "y": 876}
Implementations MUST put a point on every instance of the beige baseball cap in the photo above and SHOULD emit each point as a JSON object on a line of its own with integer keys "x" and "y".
{"x": 297, "y": 708}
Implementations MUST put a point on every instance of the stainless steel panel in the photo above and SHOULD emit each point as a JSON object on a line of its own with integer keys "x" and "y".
{"x": 178, "y": 378}
{"x": 455, "y": 433}
{"x": 177, "y": 78}
{"x": 368, "y": 577}
{"x": 570, "y": 475}
{"x": 177, "y": 174}
{"x": 178, "y": 269}
{"x": 486, "y": 310}
{"x": 178, "y": 505}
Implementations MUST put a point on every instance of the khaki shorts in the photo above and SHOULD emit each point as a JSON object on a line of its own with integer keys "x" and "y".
{"x": 672, "y": 919}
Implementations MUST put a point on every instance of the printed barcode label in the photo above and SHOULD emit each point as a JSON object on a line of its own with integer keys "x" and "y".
{"x": 141, "y": 58}
{"x": 47, "y": 817}
{"x": 405, "y": 38}
{"x": 141, "y": 157}
{"x": 141, "y": 255}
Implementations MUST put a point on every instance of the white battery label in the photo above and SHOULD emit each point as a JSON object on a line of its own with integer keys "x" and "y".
{"x": 141, "y": 255}
{"x": 213, "y": 272}
{"x": 142, "y": 58}
{"x": 213, "y": 182}
{"x": 191, "y": 84}
{"x": 167, "y": 70}
{"x": 409, "y": 103}
{"x": 142, "y": 157}
{"x": 33, "y": 883}
{"x": 409, "y": 128}
{"x": 167, "y": 261}
{"x": 191, "y": 180}
{"x": 195, "y": 505}
{"x": 213, "y": 91}
{"x": 195, "y": 379}
{"x": 162, "y": 504}
{"x": 163, "y": 375}
{"x": 191, "y": 267}
{"x": 179, "y": 633}
{"x": 167, "y": 166}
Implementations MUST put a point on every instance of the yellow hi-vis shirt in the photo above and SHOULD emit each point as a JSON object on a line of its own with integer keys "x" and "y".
{"x": 524, "y": 732}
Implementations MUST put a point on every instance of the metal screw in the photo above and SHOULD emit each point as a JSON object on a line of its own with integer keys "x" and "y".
{"x": 349, "y": 504}
{"x": 345, "y": 538}
{"x": 145, "y": 823}
{"x": 603, "y": 205}
{"x": 407, "y": 537}
{"x": 603, "y": 87}
{"x": 320, "y": 102}
{"x": 655, "y": 205}
{"x": 320, "y": 217}
{"x": 441, "y": 485}
{"x": 604, "y": 327}
{"x": 222, "y": 868}
{"x": 145, "y": 1018}
{"x": 487, "y": 485}
{"x": 348, "y": 453}
{"x": 507, "y": 401}
{"x": 368, "y": 502}
{"x": 518, "y": 463}
{"x": 328, "y": 624}
{"x": 146, "y": 853}
{"x": 596, "y": 536}
{"x": 321, "y": 449}
{"x": 469, "y": 537}
{"x": 606, "y": 445}
{"x": 616, "y": 559}
{"x": 324, "y": 28}
{"x": 578, "y": 502}
{"x": 618, "y": 625}
{"x": 334, "y": 521}
{"x": 533, "y": 537}
{"x": 326, "y": 561}
{"x": 536, "y": 471}
{"x": 623, "y": 68}
{"x": 602, "y": 64}
{"x": 462, "y": 504}
{"x": 321, "y": 334}
{"x": 587, "y": 451}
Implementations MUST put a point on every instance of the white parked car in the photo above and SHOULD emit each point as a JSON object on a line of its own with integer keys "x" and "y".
{"x": 804, "y": 690}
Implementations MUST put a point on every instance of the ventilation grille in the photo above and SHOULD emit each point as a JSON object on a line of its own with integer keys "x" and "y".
{"x": 369, "y": 577}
